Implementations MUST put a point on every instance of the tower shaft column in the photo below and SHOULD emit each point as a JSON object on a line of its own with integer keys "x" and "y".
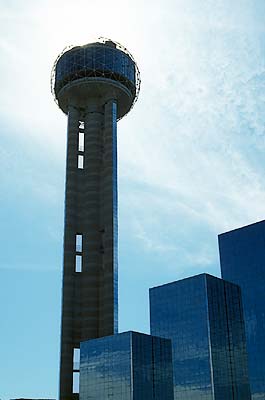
{"x": 69, "y": 293}
{"x": 92, "y": 258}
{"x": 90, "y": 291}
{"x": 95, "y": 85}
{"x": 109, "y": 221}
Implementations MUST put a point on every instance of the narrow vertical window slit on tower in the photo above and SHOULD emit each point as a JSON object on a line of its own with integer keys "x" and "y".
{"x": 76, "y": 359}
{"x": 81, "y": 141}
{"x": 79, "y": 242}
{"x": 75, "y": 382}
{"x": 80, "y": 161}
{"x": 78, "y": 263}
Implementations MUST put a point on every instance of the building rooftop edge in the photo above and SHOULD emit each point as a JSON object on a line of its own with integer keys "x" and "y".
{"x": 242, "y": 227}
{"x": 121, "y": 333}
{"x": 204, "y": 274}
{"x": 182, "y": 279}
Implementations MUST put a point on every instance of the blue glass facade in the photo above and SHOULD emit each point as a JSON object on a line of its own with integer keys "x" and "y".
{"x": 202, "y": 315}
{"x": 126, "y": 366}
{"x": 242, "y": 256}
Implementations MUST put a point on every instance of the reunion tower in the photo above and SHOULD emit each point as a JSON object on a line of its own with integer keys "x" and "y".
{"x": 95, "y": 85}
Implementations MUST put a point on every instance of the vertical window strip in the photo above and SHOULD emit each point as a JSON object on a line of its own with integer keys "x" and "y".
{"x": 76, "y": 359}
{"x": 80, "y": 163}
{"x": 76, "y": 382}
{"x": 78, "y": 263}
{"x": 81, "y": 141}
{"x": 79, "y": 242}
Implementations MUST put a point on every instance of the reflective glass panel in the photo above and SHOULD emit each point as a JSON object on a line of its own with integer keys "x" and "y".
{"x": 242, "y": 257}
{"x": 126, "y": 366}
{"x": 193, "y": 313}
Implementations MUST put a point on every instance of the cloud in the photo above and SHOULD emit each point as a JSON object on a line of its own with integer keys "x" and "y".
{"x": 195, "y": 138}
{"x": 202, "y": 147}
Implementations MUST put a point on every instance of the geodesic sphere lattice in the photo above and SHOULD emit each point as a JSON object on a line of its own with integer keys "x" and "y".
{"x": 96, "y": 60}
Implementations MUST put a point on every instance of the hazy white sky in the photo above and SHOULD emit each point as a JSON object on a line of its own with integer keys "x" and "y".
{"x": 190, "y": 157}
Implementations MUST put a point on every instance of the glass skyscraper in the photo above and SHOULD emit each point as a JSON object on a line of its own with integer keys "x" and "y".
{"x": 126, "y": 366}
{"x": 242, "y": 256}
{"x": 203, "y": 317}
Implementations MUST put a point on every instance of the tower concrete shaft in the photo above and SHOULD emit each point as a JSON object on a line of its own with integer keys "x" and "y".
{"x": 90, "y": 272}
{"x": 94, "y": 85}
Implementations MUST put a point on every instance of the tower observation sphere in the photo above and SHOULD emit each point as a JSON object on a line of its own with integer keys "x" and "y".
{"x": 94, "y": 72}
{"x": 95, "y": 85}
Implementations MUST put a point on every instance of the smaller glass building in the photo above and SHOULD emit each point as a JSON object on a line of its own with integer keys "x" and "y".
{"x": 126, "y": 366}
{"x": 203, "y": 317}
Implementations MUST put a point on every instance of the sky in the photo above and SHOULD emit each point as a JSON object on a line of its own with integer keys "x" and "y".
{"x": 190, "y": 158}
